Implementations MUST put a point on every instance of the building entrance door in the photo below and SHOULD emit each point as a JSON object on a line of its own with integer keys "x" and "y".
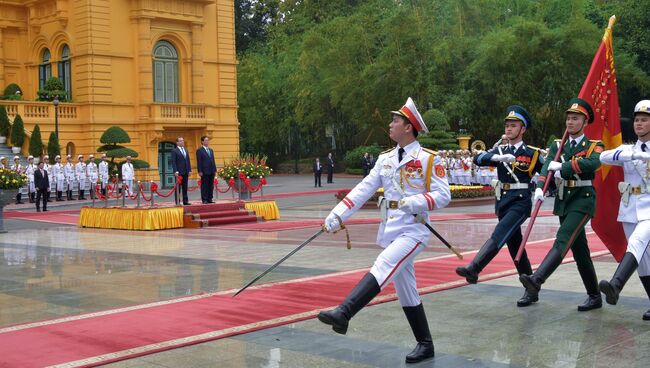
{"x": 165, "y": 169}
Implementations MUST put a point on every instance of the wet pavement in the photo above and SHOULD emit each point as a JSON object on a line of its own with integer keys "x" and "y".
{"x": 50, "y": 270}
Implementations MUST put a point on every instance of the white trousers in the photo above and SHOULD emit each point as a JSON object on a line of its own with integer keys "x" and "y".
{"x": 638, "y": 236}
{"x": 395, "y": 264}
{"x": 129, "y": 186}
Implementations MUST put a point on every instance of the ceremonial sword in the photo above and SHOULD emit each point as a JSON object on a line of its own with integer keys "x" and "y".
{"x": 421, "y": 220}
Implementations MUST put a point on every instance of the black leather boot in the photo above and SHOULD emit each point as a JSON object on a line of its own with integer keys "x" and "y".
{"x": 590, "y": 280}
{"x": 361, "y": 295}
{"x": 59, "y": 195}
{"x": 488, "y": 251}
{"x": 81, "y": 195}
{"x": 19, "y": 196}
{"x": 527, "y": 299}
{"x": 645, "y": 280}
{"x": 533, "y": 283}
{"x": 613, "y": 288}
{"x": 420, "y": 327}
{"x": 31, "y": 197}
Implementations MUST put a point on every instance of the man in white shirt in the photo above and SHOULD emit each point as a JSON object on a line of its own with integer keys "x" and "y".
{"x": 103, "y": 173}
{"x": 69, "y": 173}
{"x": 93, "y": 174}
{"x": 80, "y": 175}
{"x": 59, "y": 176}
{"x": 128, "y": 174}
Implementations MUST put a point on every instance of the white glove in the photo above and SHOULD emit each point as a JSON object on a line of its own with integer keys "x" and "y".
{"x": 539, "y": 195}
{"x": 332, "y": 223}
{"x": 503, "y": 158}
{"x": 557, "y": 174}
{"x": 641, "y": 156}
{"x": 555, "y": 166}
{"x": 407, "y": 205}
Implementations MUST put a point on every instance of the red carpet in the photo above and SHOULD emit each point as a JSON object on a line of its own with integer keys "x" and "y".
{"x": 99, "y": 338}
{"x": 303, "y": 224}
{"x": 67, "y": 217}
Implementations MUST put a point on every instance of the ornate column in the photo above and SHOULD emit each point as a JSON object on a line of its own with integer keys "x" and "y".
{"x": 2, "y": 59}
{"x": 197, "y": 64}
{"x": 145, "y": 69}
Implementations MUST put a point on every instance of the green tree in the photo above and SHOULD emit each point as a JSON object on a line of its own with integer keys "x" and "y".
{"x": 53, "y": 146}
{"x": 439, "y": 136}
{"x": 36, "y": 142}
{"x": 18, "y": 132}
{"x": 112, "y": 138}
{"x": 4, "y": 122}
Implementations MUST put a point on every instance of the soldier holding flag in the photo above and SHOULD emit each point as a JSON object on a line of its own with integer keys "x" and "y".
{"x": 575, "y": 203}
{"x": 634, "y": 210}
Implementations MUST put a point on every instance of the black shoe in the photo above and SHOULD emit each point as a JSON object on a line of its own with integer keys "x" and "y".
{"x": 527, "y": 299}
{"x": 594, "y": 301}
{"x": 488, "y": 251}
{"x": 613, "y": 288}
{"x": 645, "y": 280}
{"x": 210, "y": 201}
{"x": 420, "y": 326}
{"x": 204, "y": 202}
{"x": 361, "y": 295}
{"x": 186, "y": 203}
{"x": 38, "y": 210}
{"x": 45, "y": 210}
{"x": 533, "y": 283}
{"x": 646, "y": 315}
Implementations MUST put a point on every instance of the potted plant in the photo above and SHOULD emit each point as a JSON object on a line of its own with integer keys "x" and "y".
{"x": 4, "y": 124}
{"x": 10, "y": 182}
{"x": 17, "y": 135}
{"x": 245, "y": 172}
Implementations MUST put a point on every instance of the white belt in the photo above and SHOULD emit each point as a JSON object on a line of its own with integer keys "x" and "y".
{"x": 499, "y": 186}
{"x": 627, "y": 189}
{"x": 571, "y": 184}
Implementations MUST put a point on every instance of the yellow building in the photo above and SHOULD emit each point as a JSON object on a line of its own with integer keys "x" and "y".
{"x": 157, "y": 68}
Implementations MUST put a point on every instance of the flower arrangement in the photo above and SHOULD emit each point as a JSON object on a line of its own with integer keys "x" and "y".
{"x": 246, "y": 166}
{"x": 9, "y": 179}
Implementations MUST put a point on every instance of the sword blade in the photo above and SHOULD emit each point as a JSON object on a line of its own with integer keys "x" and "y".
{"x": 280, "y": 261}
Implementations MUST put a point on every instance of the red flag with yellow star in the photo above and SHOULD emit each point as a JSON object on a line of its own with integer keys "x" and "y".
{"x": 600, "y": 91}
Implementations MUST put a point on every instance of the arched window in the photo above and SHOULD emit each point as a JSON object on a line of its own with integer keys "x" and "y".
{"x": 65, "y": 71}
{"x": 44, "y": 69}
{"x": 165, "y": 72}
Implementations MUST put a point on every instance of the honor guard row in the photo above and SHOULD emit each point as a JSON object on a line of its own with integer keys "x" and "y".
{"x": 415, "y": 182}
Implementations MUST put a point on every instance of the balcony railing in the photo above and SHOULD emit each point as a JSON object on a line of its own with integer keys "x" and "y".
{"x": 178, "y": 111}
{"x": 38, "y": 110}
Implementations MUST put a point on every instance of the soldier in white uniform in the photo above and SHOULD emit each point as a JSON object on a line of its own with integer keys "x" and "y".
{"x": 93, "y": 174}
{"x": 414, "y": 183}
{"x": 103, "y": 173}
{"x": 59, "y": 177}
{"x": 634, "y": 210}
{"x": 17, "y": 167}
{"x": 69, "y": 172}
{"x": 80, "y": 175}
{"x": 128, "y": 175}
{"x": 50, "y": 177}
{"x": 29, "y": 171}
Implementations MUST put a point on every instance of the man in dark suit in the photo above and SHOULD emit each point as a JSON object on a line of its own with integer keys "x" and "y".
{"x": 207, "y": 168}
{"x": 330, "y": 168}
{"x": 41, "y": 183}
{"x": 318, "y": 170}
{"x": 181, "y": 166}
{"x": 365, "y": 164}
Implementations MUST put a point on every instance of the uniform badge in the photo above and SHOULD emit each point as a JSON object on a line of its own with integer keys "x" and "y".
{"x": 598, "y": 149}
{"x": 440, "y": 171}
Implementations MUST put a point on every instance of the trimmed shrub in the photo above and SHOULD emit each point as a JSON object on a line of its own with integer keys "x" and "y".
{"x": 353, "y": 158}
{"x": 4, "y": 122}
{"x": 53, "y": 146}
{"x": 18, "y": 132}
{"x": 10, "y": 92}
{"x": 35, "y": 142}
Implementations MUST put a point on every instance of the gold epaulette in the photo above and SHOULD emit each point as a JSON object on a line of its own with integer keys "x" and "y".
{"x": 388, "y": 150}
{"x": 535, "y": 148}
{"x": 595, "y": 140}
{"x": 558, "y": 140}
{"x": 430, "y": 151}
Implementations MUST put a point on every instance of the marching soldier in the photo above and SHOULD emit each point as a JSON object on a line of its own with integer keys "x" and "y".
{"x": 575, "y": 203}
{"x": 29, "y": 171}
{"x": 50, "y": 177}
{"x": 414, "y": 183}
{"x": 18, "y": 168}
{"x": 93, "y": 174}
{"x": 69, "y": 172}
{"x": 59, "y": 177}
{"x": 80, "y": 175}
{"x": 634, "y": 210}
{"x": 516, "y": 164}
{"x": 103, "y": 173}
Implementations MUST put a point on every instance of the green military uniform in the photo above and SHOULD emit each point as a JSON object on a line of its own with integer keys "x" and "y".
{"x": 575, "y": 204}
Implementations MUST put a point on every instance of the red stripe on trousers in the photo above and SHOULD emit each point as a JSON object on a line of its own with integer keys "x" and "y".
{"x": 398, "y": 264}
{"x": 582, "y": 226}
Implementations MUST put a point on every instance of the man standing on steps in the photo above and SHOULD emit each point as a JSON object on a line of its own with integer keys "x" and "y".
{"x": 516, "y": 164}
{"x": 414, "y": 183}
{"x": 634, "y": 210}
{"x": 182, "y": 167}
{"x": 575, "y": 203}
{"x": 206, "y": 167}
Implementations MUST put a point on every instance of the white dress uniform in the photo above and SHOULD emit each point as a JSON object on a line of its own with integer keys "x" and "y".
{"x": 93, "y": 174}
{"x": 103, "y": 173}
{"x": 59, "y": 175}
{"x": 128, "y": 175}
{"x": 30, "y": 177}
{"x": 634, "y": 210}
{"x": 50, "y": 176}
{"x": 21, "y": 170}
{"x": 69, "y": 173}
{"x": 399, "y": 233}
{"x": 80, "y": 175}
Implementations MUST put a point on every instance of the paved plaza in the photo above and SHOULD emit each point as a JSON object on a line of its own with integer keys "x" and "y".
{"x": 52, "y": 270}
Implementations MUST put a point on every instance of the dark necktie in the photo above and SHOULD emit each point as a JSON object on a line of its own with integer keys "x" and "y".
{"x": 573, "y": 144}
{"x": 400, "y": 152}
{"x": 643, "y": 147}
{"x": 511, "y": 149}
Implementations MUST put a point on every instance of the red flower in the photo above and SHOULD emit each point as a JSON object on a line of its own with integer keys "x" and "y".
{"x": 179, "y": 179}
{"x": 198, "y": 182}
{"x": 154, "y": 187}
{"x": 216, "y": 181}
{"x": 247, "y": 181}
{"x": 231, "y": 182}
{"x": 241, "y": 175}
{"x": 263, "y": 181}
